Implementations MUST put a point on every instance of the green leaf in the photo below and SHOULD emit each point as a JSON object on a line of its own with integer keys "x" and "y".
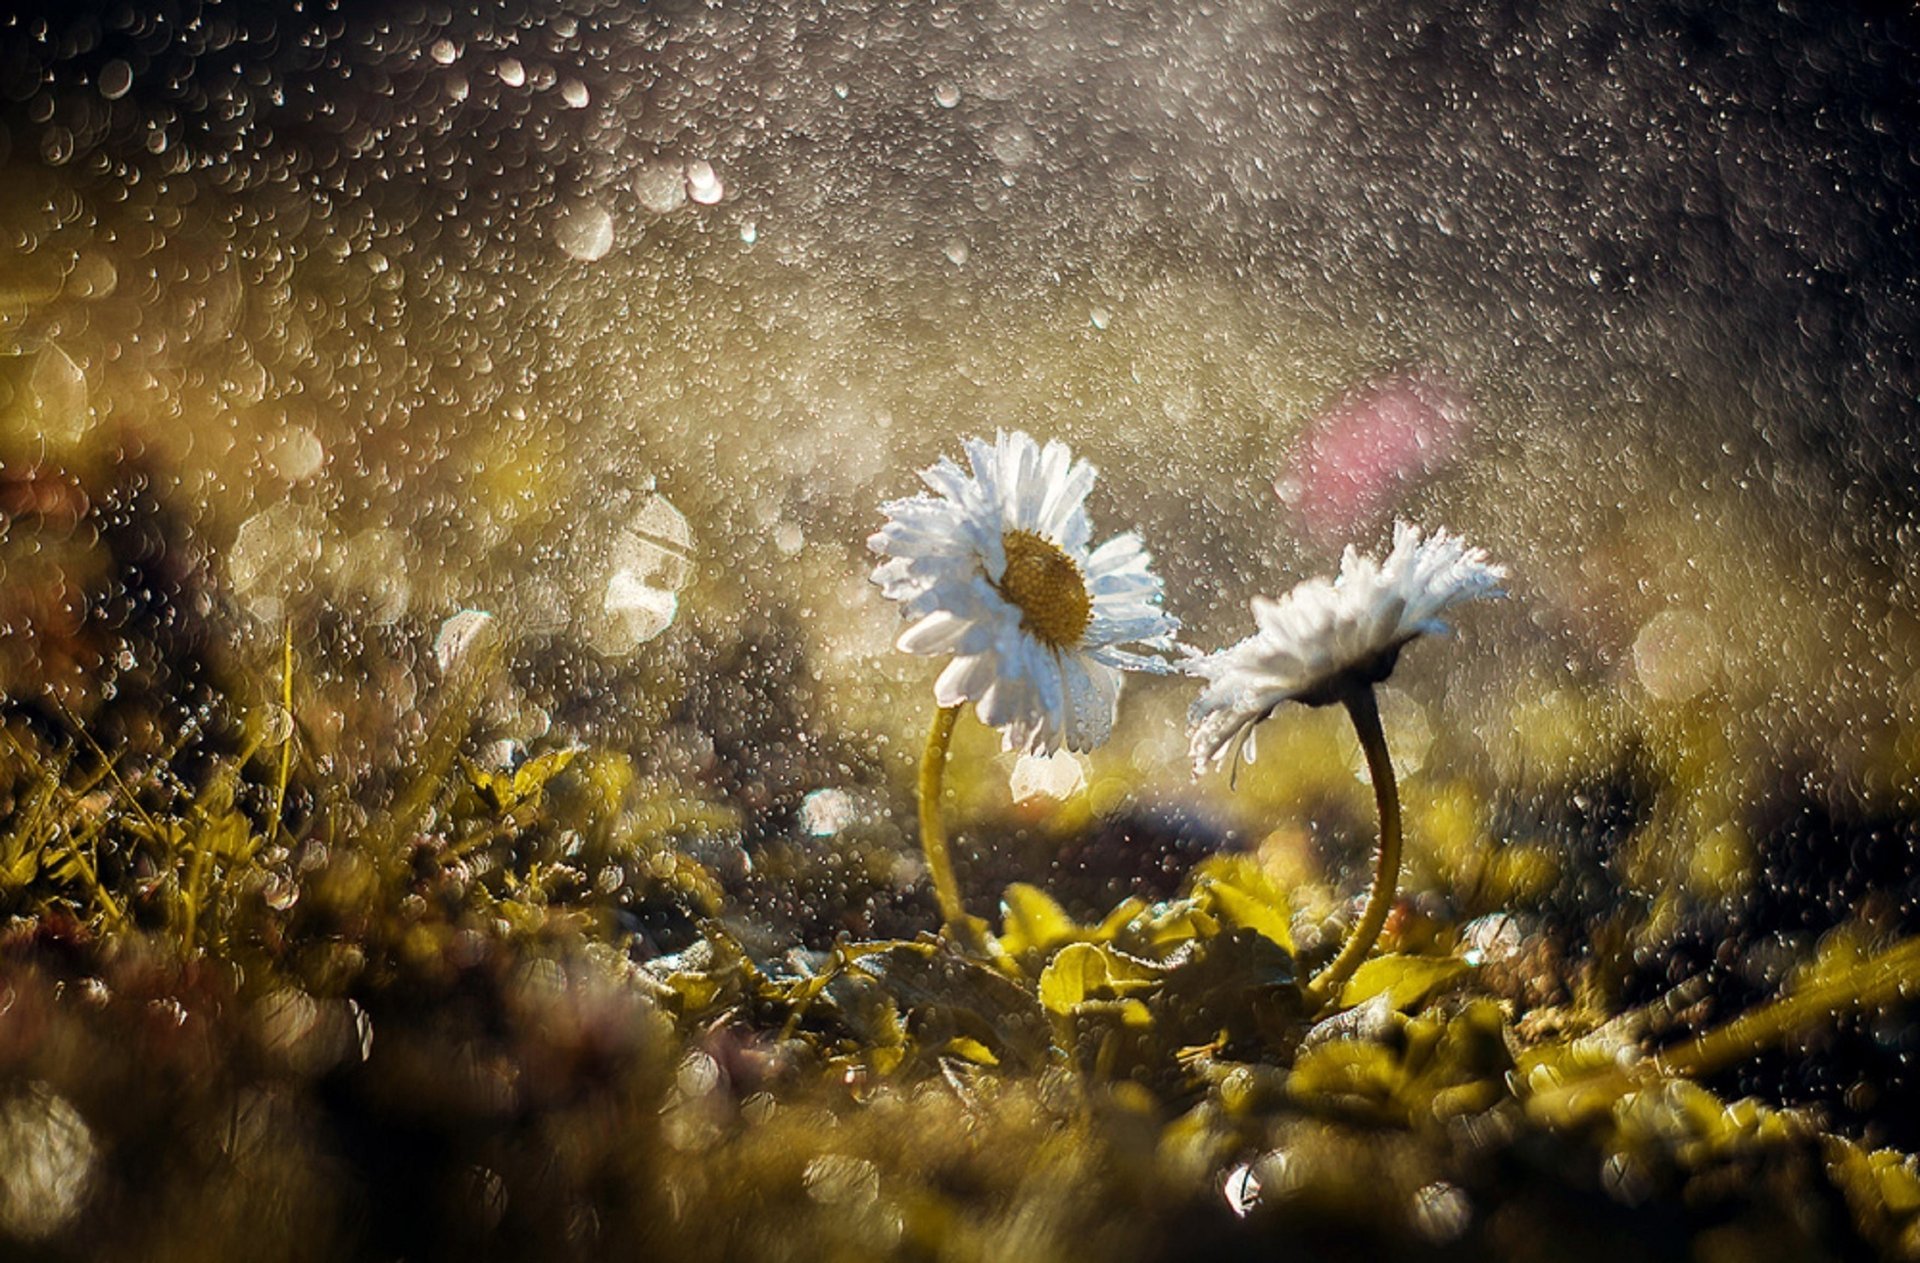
{"x": 1088, "y": 971}
{"x": 1406, "y": 981}
{"x": 505, "y": 791}
{"x": 943, "y": 996}
{"x": 1032, "y": 921}
{"x": 1238, "y": 890}
{"x": 1239, "y": 983}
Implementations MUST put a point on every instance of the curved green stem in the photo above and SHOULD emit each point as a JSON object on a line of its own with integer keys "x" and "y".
{"x": 1364, "y": 710}
{"x": 966, "y": 930}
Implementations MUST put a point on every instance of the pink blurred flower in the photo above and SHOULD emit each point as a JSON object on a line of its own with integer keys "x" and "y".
{"x": 1356, "y": 459}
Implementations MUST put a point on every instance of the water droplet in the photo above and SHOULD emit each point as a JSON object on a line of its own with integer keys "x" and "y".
{"x": 1675, "y": 655}
{"x": 296, "y": 454}
{"x": 1059, "y": 776}
{"x": 651, "y": 562}
{"x": 1012, "y": 145}
{"x": 661, "y": 189}
{"x": 585, "y": 232}
{"x": 946, "y": 94}
{"x": 1242, "y": 1190}
{"x": 825, "y": 812}
{"x": 50, "y": 1157}
{"x": 703, "y": 185}
{"x": 116, "y": 79}
{"x": 458, "y": 636}
{"x": 512, "y": 72}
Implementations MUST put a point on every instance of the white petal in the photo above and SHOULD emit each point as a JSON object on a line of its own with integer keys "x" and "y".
{"x": 938, "y": 632}
{"x": 965, "y": 678}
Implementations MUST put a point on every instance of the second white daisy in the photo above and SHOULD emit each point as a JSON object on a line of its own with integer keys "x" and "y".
{"x": 995, "y": 569}
{"x": 1320, "y": 642}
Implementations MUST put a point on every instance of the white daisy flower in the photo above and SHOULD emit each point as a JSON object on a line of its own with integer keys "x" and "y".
{"x": 1323, "y": 640}
{"x": 995, "y": 570}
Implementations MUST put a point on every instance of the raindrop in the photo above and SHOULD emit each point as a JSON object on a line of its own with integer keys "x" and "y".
{"x": 57, "y": 146}
{"x": 825, "y": 812}
{"x": 50, "y": 1155}
{"x": 1012, "y": 145}
{"x": 652, "y": 561}
{"x": 1242, "y": 1189}
{"x": 93, "y": 276}
{"x": 296, "y": 454}
{"x": 703, "y": 185}
{"x": 661, "y": 189}
{"x": 1441, "y": 1212}
{"x": 946, "y": 94}
{"x": 512, "y": 73}
{"x": 277, "y": 725}
{"x": 1675, "y": 655}
{"x": 458, "y": 636}
{"x": 116, "y": 78}
{"x": 585, "y": 232}
{"x": 1059, "y": 775}
{"x": 574, "y": 93}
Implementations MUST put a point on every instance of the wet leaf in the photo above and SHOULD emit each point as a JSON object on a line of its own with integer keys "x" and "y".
{"x": 1237, "y": 890}
{"x": 1033, "y": 921}
{"x": 1081, "y": 972}
{"x": 1406, "y": 981}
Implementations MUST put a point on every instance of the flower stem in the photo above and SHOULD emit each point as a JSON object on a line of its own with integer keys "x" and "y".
{"x": 1364, "y": 710}
{"x": 966, "y": 930}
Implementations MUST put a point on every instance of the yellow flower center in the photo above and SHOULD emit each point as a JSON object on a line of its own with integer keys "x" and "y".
{"x": 1045, "y": 586}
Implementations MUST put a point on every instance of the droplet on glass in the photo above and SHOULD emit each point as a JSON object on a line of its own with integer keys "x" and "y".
{"x": 1242, "y": 1190}
{"x": 946, "y": 94}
